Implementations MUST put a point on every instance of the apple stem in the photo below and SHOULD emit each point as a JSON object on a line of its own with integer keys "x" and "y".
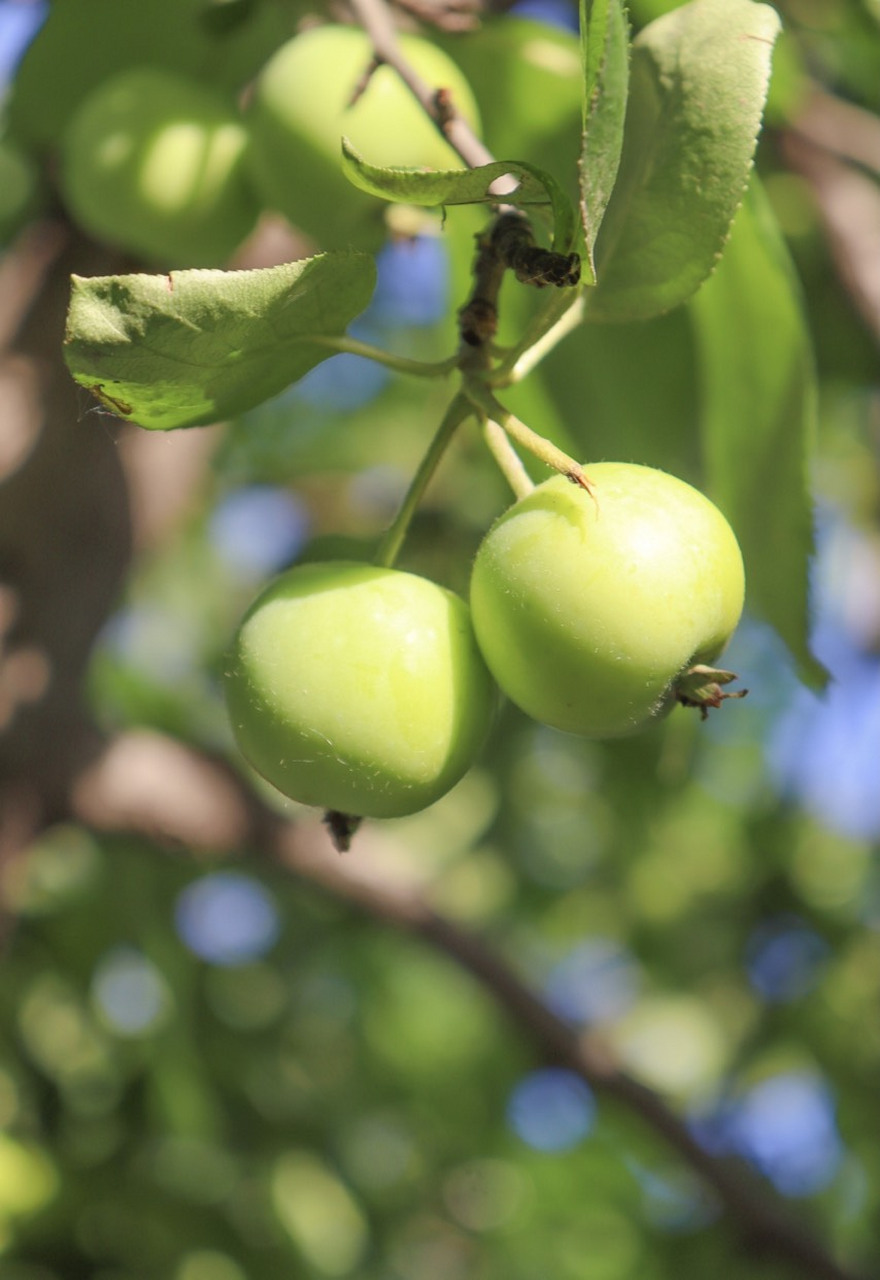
{"x": 400, "y": 364}
{"x": 509, "y": 462}
{"x": 544, "y": 449}
{"x": 459, "y": 409}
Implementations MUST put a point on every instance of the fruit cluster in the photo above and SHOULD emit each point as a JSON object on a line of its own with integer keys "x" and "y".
{"x": 359, "y": 688}
{"x": 369, "y": 691}
{"x": 173, "y": 171}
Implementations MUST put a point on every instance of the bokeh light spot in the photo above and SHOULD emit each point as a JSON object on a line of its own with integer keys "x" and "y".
{"x": 555, "y": 13}
{"x": 161, "y": 644}
{"x": 129, "y": 992}
{"x": 551, "y": 1109}
{"x": 596, "y": 982}
{"x": 19, "y": 23}
{"x": 28, "y": 1179}
{"x": 344, "y": 381}
{"x": 413, "y": 282}
{"x": 227, "y": 918}
{"x": 786, "y": 1126}
{"x": 824, "y": 749}
{"x": 672, "y": 1043}
{"x": 319, "y": 1213}
{"x": 258, "y": 529}
{"x": 783, "y": 958}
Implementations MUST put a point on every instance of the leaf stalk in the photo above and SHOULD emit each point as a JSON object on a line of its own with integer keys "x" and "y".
{"x": 400, "y": 364}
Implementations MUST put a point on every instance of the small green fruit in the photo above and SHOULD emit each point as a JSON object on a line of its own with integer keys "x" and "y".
{"x": 587, "y": 609}
{"x": 301, "y": 110}
{"x": 155, "y": 164}
{"x": 358, "y": 689}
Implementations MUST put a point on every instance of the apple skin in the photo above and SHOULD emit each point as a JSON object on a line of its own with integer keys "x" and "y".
{"x": 358, "y": 689}
{"x": 300, "y": 112}
{"x": 155, "y": 164}
{"x": 587, "y": 608}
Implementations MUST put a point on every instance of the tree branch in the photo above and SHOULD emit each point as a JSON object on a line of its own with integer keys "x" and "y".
{"x": 831, "y": 143}
{"x": 849, "y": 205}
{"x": 445, "y": 15}
{"x": 437, "y": 102}
{"x": 509, "y": 244}
{"x": 24, "y": 268}
{"x": 147, "y": 783}
{"x": 64, "y": 532}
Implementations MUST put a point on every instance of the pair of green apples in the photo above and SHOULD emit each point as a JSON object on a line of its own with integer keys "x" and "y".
{"x": 166, "y": 168}
{"x": 370, "y": 691}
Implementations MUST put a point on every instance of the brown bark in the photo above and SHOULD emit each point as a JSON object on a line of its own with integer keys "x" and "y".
{"x": 64, "y": 533}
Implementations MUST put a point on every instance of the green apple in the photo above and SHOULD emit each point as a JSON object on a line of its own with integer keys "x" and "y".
{"x": 82, "y": 43}
{"x": 358, "y": 689}
{"x": 589, "y": 609}
{"x": 301, "y": 109}
{"x": 155, "y": 164}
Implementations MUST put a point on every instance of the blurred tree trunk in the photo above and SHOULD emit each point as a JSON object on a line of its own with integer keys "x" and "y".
{"x": 65, "y": 534}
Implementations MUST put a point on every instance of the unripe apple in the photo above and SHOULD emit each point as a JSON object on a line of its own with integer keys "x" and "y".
{"x": 302, "y": 108}
{"x": 155, "y": 164}
{"x": 358, "y": 689}
{"x": 589, "y": 608}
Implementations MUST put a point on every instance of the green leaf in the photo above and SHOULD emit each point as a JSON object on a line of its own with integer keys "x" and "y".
{"x": 698, "y": 82}
{"x": 605, "y": 53}
{"x": 759, "y": 397}
{"x": 192, "y": 347}
{"x": 434, "y": 188}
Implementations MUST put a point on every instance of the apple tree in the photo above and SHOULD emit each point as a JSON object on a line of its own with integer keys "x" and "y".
{"x": 439, "y": 679}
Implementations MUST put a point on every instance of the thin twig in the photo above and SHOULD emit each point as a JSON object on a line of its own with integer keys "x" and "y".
{"x": 510, "y": 242}
{"x": 446, "y": 15}
{"x": 436, "y": 101}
